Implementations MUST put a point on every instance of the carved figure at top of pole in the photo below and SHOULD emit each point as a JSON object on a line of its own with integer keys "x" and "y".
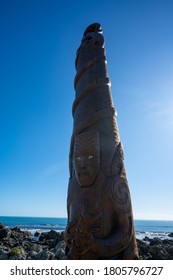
{"x": 100, "y": 219}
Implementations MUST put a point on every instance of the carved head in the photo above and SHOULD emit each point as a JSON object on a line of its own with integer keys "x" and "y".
{"x": 86, "y": 157}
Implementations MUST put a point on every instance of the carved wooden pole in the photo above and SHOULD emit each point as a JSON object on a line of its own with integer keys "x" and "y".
{"x": 100, "y": 220}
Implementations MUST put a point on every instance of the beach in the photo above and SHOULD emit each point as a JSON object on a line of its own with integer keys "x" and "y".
{"x": 22, "y": 244}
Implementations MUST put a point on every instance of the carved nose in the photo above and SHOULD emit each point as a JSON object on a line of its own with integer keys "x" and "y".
{"x": 83, "y": 163}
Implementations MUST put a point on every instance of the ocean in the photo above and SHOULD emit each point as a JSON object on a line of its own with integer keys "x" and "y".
{"x": 143, "y": 228}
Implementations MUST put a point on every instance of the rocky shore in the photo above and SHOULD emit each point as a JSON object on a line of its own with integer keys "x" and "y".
{"x": 20, "y": 245}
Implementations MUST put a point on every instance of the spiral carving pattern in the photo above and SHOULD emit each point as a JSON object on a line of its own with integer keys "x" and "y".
{"x": 121, "y": 194}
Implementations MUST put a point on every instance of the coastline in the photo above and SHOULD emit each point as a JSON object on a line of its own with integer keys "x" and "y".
{"x": 17, "y": 244}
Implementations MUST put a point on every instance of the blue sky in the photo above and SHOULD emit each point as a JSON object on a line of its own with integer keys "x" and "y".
{"x": 39, "y": 39}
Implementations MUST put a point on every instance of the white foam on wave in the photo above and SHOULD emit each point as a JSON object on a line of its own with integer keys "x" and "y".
{"x": 32, "y": 231}
{"x": 160, "y": 235}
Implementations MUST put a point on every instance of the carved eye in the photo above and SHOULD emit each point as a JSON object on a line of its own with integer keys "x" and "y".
{"x": 90, "y": 157}
{"x": 78, "y": 158}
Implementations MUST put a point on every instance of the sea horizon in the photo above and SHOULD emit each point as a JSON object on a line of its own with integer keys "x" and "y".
{"x": 65, "y": 217}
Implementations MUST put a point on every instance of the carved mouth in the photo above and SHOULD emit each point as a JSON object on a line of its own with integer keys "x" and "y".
{"x": 83, "y": 173}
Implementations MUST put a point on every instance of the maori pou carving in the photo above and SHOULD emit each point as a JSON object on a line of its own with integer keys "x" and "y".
{"x": 86, "y": 158}
{"x": 100, "y": 219}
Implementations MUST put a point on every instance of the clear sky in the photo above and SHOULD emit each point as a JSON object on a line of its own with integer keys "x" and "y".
{"x": 39, "y": 39}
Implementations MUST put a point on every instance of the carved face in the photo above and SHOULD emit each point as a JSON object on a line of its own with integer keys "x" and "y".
{"x": 86, "y": 157}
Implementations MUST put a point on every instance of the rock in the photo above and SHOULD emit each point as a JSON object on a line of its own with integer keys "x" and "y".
{"x": 59, "y": 250}
{"x": 155, "y": 241}
{"x": 26, "y": 234}
{"x": 167, "y": 242}
{"x": 36, "y": 234}
{"x": 170, "y": 234}
{"x": 17, "y": 258}
{"x": 171, "y": 252}
{"x": 158, "y": 253}
{"x": 16, "y": 229}
{"x": 143, "y": 249}
{"x": 36, "y": 247}
{"x": 1, "y": 226}
{"x": 3, "y": 255}
{"x": 52, "y": 234}
{"x": 51, "y": 243}
{"x": 4, "y": 232}
{"x": 146, "y": 238}
{"x": 18, "y": 245}
{"x": 31, "y": 255}
{"x": 61, "y": 245}
{"x": 51, "y": 238}
{"x": 59, "y": 254}
{"x": 44, "y": 255}
{"x": 157, "y": 249}
{"x": 26, "y": 244}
